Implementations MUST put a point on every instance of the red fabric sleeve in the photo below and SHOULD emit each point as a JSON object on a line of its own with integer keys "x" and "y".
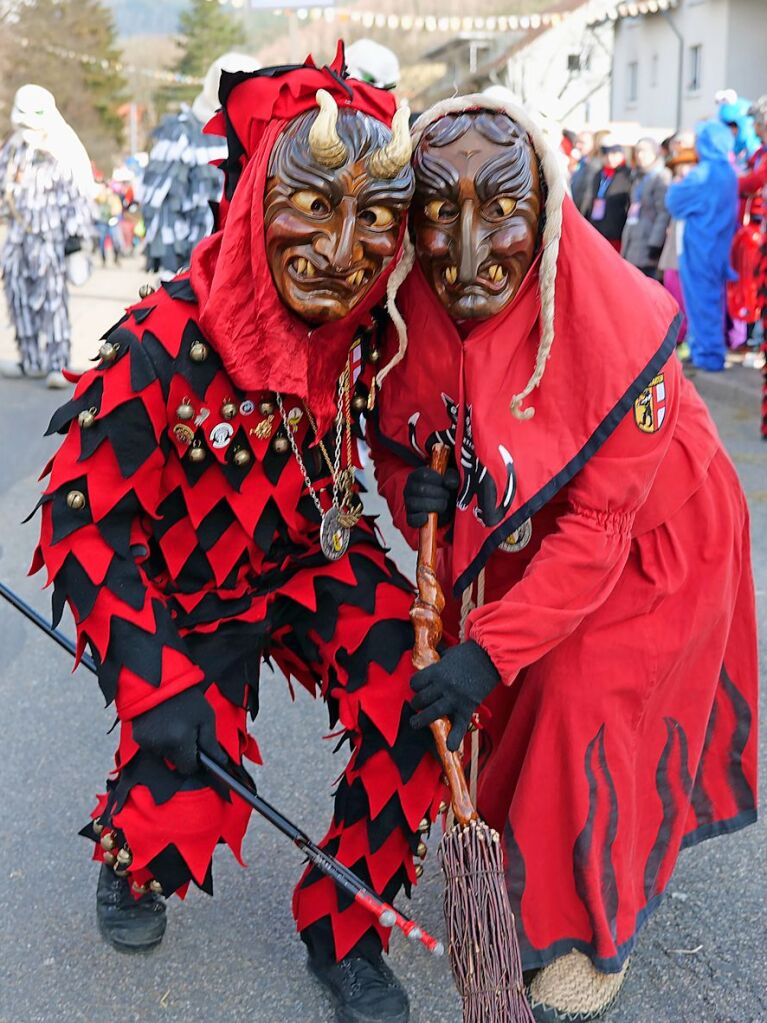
{"x": 96, "y": 555}
{"x": 755, "y": 180}
{"x": 580, "y": 562}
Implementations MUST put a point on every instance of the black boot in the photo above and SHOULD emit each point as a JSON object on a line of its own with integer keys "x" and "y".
{"x": 131, "y": 925}
{"x": 364, "y": 989}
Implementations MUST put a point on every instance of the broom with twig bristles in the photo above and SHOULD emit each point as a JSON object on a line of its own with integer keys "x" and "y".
{"x": 484, "y": 951}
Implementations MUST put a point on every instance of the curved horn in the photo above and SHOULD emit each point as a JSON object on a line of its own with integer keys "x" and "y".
{"x": 326, "y": 146}
{"x": 388, "y": 161}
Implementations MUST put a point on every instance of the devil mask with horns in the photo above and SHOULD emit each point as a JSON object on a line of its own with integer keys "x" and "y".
{"x": 318, "y": 181}
{"x": 337, "y": 190}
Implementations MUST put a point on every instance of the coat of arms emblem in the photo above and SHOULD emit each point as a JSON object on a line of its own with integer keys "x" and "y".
{"x": 650, "y": 406}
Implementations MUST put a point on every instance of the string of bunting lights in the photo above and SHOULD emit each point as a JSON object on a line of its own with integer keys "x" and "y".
{"x": 411, "y": 22}
{"x": 367, "y": 19}
{"x": 108, "y": 65}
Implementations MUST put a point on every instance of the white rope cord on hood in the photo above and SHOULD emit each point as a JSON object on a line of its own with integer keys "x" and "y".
{"x": 552, "y": 233}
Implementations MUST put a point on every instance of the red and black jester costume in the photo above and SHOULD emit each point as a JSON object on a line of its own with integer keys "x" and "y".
{"x": 185, "y": 570}
{"x": 624, "y": 631}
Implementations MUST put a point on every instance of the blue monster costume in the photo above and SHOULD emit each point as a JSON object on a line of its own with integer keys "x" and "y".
{"x": 746, "y": 140}
{"x": 707, "y": 201}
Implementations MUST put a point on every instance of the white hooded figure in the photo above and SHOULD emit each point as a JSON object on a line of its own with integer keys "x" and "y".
{"x": 179, "y": 182}
{"x": 46, "y": 187}
{"x": 370, "y": 62}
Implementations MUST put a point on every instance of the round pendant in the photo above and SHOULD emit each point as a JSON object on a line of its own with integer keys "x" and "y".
{"x": 334, "y": 539}
{"x": 518, "y": 540}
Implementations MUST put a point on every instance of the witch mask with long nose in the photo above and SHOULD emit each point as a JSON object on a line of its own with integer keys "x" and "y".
{"x": 477, "y": 210}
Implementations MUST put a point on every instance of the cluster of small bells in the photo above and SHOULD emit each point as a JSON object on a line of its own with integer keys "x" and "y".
{"x": 120, "y": 860}
{"x": 186, "y": 411}
{"x": 198, "y": 352}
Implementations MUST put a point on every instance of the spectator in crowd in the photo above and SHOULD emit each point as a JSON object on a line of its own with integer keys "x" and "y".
{"x": 608, "y": 198}
{"x": 736, "y": 114}
{"x": 648, "y": 218}
{"x": 706, "y": 200}
{"x": 753, "y": 192}
{"x": 109, "y": 212}
{"x": 682, "y": 157}
{"x": 587, "y": 168}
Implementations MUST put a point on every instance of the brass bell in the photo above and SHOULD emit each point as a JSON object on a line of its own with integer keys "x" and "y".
{"x": 359, "y": 403}
{"x": 76, "y": 500}
{"x": 418, "y": 870}
{"x": 472, "y": 726}
{"x": 197, "y": 453}
{"x": 155, "y": 886}
{"x": 185, "y": 410}
{"x": 281, "y": 444}
{"x": 374, "y": 355}
{"x": 228, "y": 409}
{"x": 443, "y": 806}
{"x": 109, "y": 859}
{"x": 87, "y": 418}
{"x": 125, "y": 857}
{"x": 424, "y": 825}
{"x": 108, "y": 351}
{"x": 139, "y": 889}
{"x": 266, "y": 407}
{"x": 146, "y": 290}
{"x": 421, "y": 850}
{"x": 108, "y": 841}
{"x": 241, "y": 457}
{"x": 97, "y": 826}
{"x": 199, "y": 351}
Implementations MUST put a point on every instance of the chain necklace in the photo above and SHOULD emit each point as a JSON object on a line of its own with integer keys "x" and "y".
{"x": 344, "y": 513}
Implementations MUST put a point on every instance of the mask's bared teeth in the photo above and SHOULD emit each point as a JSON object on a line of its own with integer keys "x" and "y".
{"x": 355, "y": 280}
{"x": 451, "y": 274}
{"x": 496, "y": 273}
{"x": 300, "y": 265}
{"x": 309, "y": 271}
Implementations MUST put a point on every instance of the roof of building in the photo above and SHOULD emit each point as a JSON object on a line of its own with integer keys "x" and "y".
{"x": 509, "y": 44}
{"x": 635, "y": 9}
{"x": 457, "y": 43}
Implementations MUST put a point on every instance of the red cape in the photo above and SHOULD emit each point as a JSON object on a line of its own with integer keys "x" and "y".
{"x": 614, "y": 329}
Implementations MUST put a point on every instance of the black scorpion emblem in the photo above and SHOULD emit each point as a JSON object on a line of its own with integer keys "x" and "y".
{"x": 477, "y": 481}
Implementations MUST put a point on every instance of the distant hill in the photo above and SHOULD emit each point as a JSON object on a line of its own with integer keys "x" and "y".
{"x": 146, "y": 17}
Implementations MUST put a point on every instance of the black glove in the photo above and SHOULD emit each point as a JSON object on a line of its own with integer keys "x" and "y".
{"x": 426, "y": 491}
{"x": 454, "y": 688}
{"x": 178, "y": 728}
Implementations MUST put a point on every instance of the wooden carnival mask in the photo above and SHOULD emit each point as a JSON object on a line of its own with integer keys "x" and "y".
{"x": 476, "y": 213}
{"x": 338, "y": 187}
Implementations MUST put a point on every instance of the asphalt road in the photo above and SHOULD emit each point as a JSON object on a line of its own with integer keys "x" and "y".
{"x": 236, "y": 957}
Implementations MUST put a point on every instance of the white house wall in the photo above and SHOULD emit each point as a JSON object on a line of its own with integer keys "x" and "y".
{"x": 701, "y": 22}
{"x": 539, "y": 76}
{"x": 747, "y": 48}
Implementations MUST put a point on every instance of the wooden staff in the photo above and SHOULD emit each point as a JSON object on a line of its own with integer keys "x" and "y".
{"x": 427, "y": 622}
{"x": 483, "y": 945}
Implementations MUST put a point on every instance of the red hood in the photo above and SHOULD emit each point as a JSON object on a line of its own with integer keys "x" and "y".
{"x": 614, "y": 329}
{"x": 264, "y": 346}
